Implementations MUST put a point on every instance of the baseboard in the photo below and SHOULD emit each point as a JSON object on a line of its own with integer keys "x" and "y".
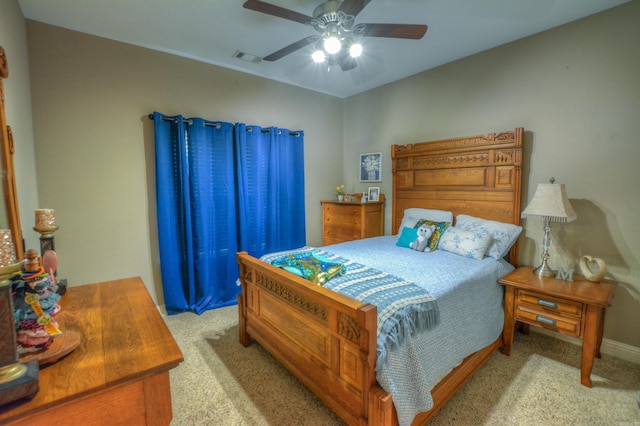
{"x": 609, "y": 347}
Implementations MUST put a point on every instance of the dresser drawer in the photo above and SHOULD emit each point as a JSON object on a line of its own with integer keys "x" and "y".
{"x": 345, "y": 220}
{"x": 341, "y": 233}
{"x": 342, "y": 210}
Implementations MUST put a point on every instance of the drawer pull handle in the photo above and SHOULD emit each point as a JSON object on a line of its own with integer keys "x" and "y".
{"x": 547, "y": 304}
{"x": 545, "y": 320}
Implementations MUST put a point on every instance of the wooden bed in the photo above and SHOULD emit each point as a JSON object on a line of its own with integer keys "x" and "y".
{"x": 327, "y": 340}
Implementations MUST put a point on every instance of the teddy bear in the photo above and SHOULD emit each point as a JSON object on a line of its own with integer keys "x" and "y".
{"x": 422, "y": 242}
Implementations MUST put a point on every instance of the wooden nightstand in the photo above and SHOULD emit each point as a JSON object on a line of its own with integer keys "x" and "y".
{"x": 572, "y": 308}
{"x": 347, "y": 221}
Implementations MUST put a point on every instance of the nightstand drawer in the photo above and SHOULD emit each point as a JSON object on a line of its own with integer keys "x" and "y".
{"x": 549, "y": 304}
{"x": 568, "y": 325}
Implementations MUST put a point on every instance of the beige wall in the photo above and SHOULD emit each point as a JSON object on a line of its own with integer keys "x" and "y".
{"x": 576, "y": 91}
{"x": 95, "y": 142}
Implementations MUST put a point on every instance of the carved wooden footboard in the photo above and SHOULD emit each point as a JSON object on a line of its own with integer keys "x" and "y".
{"x": 327, "y": 340}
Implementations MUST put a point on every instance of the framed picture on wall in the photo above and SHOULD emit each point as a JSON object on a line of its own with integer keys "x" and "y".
{"x": 371, "y": 167}
{"x": 374, "y": 193}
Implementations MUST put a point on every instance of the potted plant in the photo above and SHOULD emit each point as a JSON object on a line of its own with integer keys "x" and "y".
{"x": 340, "y": 192}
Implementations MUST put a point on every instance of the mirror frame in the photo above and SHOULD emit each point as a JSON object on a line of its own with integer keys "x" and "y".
{"x": 9, "y": 177}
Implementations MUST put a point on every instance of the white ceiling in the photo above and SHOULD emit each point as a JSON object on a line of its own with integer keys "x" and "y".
{"x": 212, "y": 31}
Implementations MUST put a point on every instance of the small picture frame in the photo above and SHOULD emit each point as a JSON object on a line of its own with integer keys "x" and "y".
{"x": 374, "y": 193}
{"x": 371, "y": 167}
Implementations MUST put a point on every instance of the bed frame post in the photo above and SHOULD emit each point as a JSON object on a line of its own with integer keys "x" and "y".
{"x": 243, "y": 336}
{"x": 381, "y": 409}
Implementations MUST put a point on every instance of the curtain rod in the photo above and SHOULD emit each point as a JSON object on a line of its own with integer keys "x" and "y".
{"x": 217, "y": 125}
{"x": 188, "y": 121}
{"x": 296, "y": 134}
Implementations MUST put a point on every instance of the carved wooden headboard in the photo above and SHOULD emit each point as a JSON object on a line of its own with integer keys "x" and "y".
{"x": 476, "y": 175}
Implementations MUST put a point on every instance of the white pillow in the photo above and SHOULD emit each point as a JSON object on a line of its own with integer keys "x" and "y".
{"x": 414, "y": 214}
{"x": 465, "y": 243}
{"x": 503, "y": 235}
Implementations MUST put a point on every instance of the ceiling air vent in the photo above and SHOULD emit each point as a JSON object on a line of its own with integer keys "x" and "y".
{"x": 247, "y": 57}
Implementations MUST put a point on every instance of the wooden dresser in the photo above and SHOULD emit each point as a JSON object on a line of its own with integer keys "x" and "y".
{"x": 346, "y": 220}
{"x": 120, "y": 372}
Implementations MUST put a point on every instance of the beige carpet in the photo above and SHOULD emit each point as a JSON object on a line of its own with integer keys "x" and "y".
{"x": 221, "y": 382}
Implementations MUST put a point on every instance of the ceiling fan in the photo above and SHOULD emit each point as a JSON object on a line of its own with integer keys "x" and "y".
{"x": 338, "y": 41}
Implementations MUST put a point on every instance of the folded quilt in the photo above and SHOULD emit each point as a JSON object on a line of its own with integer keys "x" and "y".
{"x": 403, "y": 307}
{"x": 310, "y": 266}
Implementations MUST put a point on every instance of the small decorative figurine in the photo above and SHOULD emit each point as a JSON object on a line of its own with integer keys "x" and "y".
{"x": 35, "y": 300}
{"x": 422, "y": 241}
{"x": 586, "y": 265}
{"x": 561, "y": 274}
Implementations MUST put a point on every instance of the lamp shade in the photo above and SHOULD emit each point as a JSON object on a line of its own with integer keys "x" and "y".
{"x": 550, "y": 202}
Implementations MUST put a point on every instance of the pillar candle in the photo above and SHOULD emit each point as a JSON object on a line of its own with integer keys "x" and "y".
{"x": 45, "y": 218}
{"x": 7, "y": 248}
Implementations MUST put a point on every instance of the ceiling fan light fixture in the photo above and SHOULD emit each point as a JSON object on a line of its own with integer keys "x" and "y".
{"x": 332, "y": 44}
{"x": 318, "y": 56}
{"x": 355, "y": 50}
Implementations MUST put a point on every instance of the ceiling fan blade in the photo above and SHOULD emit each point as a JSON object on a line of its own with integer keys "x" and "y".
{"x": 353, "y": 7}
{"x": 291, "y": 48}
{"x": 280, "y": 12}
{"x": 412, "y": 31}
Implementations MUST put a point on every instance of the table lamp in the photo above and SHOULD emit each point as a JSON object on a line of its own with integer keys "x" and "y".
{"x": 549, "y": 203}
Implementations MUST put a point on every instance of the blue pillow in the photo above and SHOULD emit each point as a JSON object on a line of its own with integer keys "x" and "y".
{"x": 407, "y": 236}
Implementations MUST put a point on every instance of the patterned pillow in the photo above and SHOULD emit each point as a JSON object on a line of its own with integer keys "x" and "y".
{"x": 413, "y": 215}
{"x": 465, "y": 243}
{"x": 503, "y": 234}
{"x": 440, "y": 227}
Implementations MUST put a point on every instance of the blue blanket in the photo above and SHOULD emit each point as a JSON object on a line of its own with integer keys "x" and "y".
{"x": 404, "y": 308}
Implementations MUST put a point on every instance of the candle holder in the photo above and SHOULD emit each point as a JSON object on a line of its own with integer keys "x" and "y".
{"x": 46, "y": 238}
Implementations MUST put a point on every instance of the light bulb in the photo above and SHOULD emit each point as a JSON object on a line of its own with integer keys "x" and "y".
{"x": 355, "y": 50}
{"x": 318, "y": 56}
{"x": 332, "y": 45}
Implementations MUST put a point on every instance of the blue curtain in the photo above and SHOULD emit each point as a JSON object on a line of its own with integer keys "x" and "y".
{"x": 270, "y": 167}
{"x": 221, "y": 190}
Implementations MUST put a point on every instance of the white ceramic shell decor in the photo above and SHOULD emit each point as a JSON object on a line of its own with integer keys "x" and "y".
{"x": 593, "y": 268}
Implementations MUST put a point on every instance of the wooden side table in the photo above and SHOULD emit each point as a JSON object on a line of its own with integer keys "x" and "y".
{"x": 574, "y": 308}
